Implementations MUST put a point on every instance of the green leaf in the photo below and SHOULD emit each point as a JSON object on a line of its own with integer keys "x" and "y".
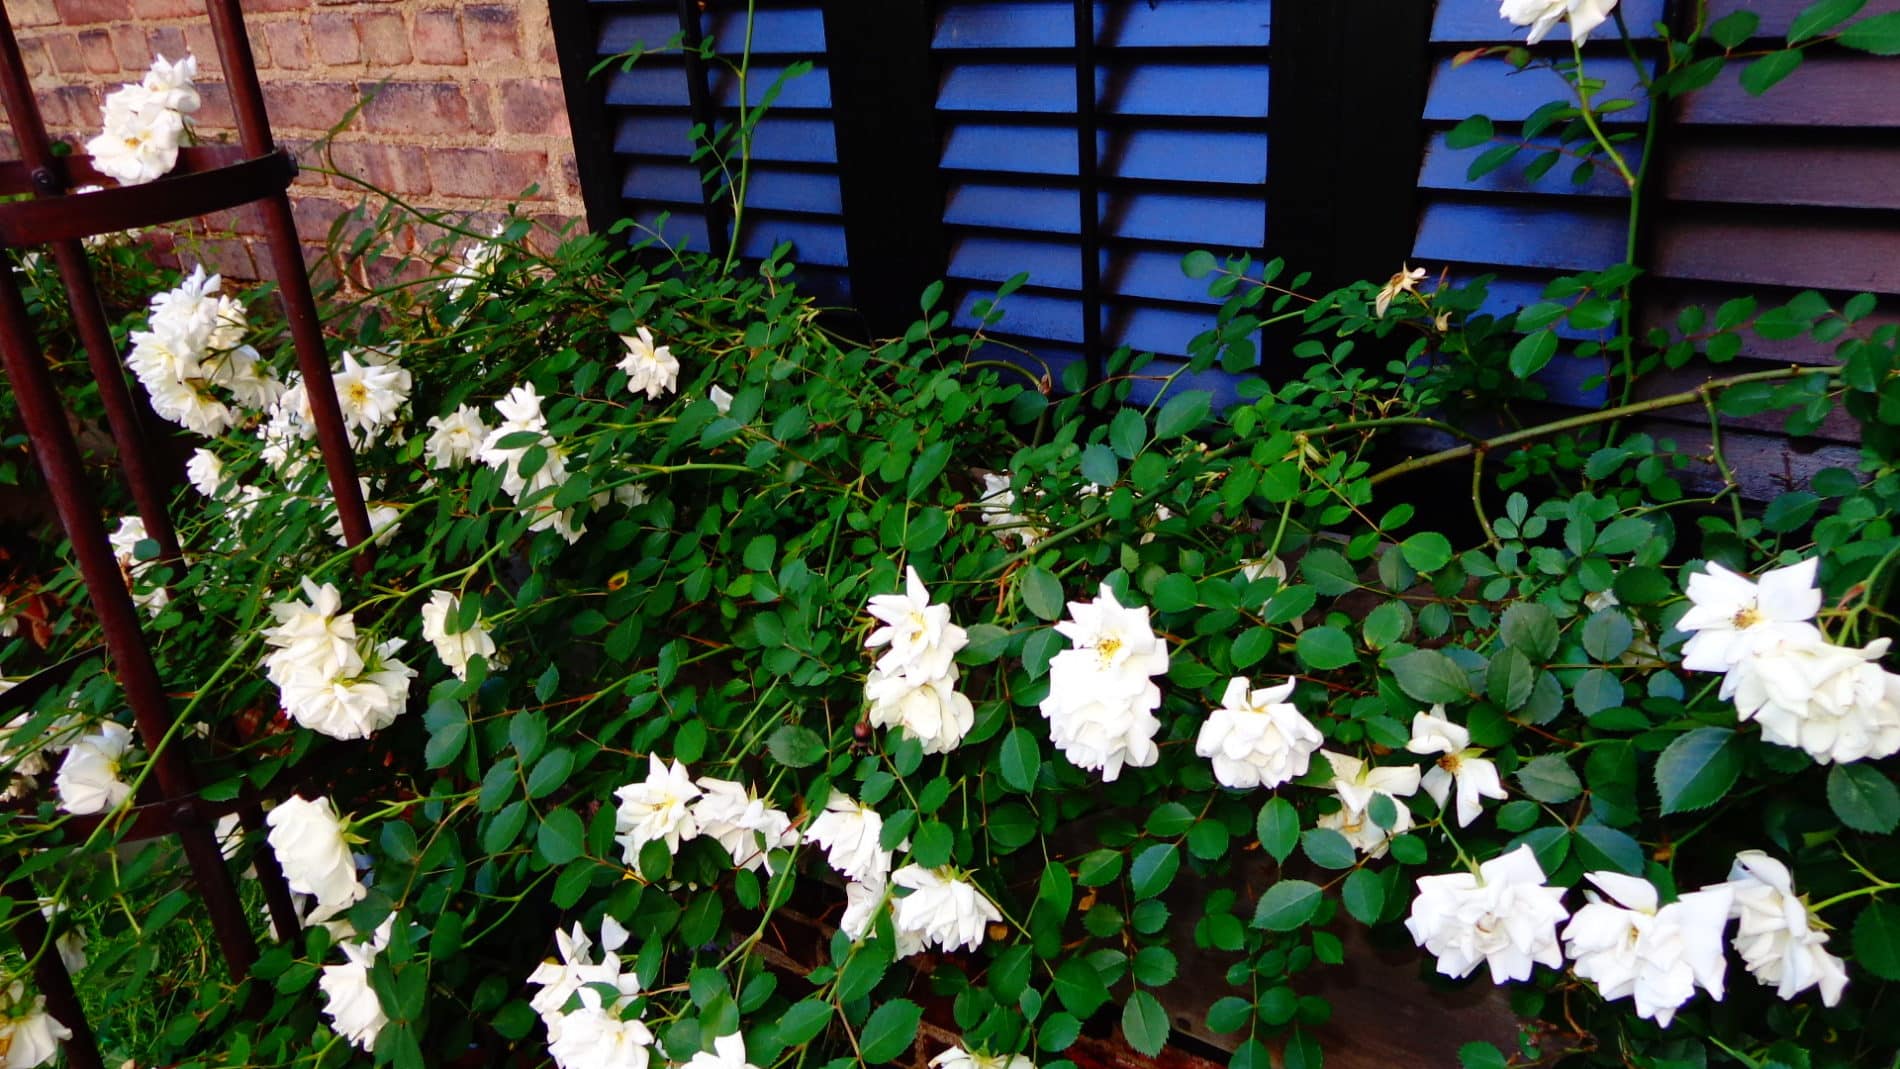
{"x": 1278, "y": 828}
{"x": 1879, "y": 34}
{"x": 1364, "y": 895}
{"x": 803, "y": 1022}
{"x": 1532, "y": 352}
{"x": 550, "y": 772}
{"x": 1697, "y": 769}
{"x": 1327, "y": 848}
{"x": 446, "y": 742}
{"x": 1229, "y": 1014}
{"x": 1607, "y": 634}
{"x": 1550, "y": 779}
{"x": 1127, "y": 433}
{"x": 987, "y": 643}
{"x": 1762, "y": 74}
{"x": 1530, "y": 627}
{"x": 795, "y": 746}
{"x": 1427, "y": 551}
{"x": 1302, "y": 1051}
{"x": 1431, "y": 677}
{"x": 1041, "y": 592}
{"x": 1287, "y": 905}
{"x": 561, "y": 837}
{"x": 1329, "y": 572}
{"x": 1099, "y": 465}
{"x": 1098, "y": 867}
{"x": 1145, "y": 1023}
{"x": 889, "y": 1030}
{"x": 1480, "y": 1055}
{"x": 1471, "y": 133}
{"x": 1877, "y": 940}
{"x": 1184, "y": 413}
{"x": 1732, "y": 29}
{"x": 1198, "y": 264}
{"x": 928, "y": 465}
{"x": 1863, "y": 798}
{"x": 1822, "y": 17}
{"x": 1599, "y": 846}
{"x": 1510, "y": 679}
{"x": 1325, "y": 648}
{"x": 1080, "y": 987}
{"x": 1153, "y": 870}
{"x": 1020, "y": 760}
{"x": 1251, "y": 647}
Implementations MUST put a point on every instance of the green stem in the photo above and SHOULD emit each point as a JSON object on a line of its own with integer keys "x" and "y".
{"x": 1590, "y": 121}
{"x": 1545, "y": 430}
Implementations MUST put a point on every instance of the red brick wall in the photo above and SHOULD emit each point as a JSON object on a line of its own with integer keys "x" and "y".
{"x": 465, "y": 108}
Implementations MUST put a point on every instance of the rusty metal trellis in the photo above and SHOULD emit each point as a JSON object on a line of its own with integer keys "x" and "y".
{"x": 208, "y": 178}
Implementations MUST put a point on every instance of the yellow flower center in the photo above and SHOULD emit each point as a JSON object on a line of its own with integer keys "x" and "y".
{"x": 1748, "y": 618}
{"x": 359, "y": 393}
{"x": 1109, "y": 647}
{"x": 1451, "y": 762}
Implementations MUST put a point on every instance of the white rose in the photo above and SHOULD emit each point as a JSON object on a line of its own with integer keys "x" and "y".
{"x": 455, "y": 648}
{"x": 29, "y": 1035}
{"x": 1543, "y": 15}
{"x": 355, "y": 1012}
{"x": 921, "y": 641}
{"x": 652, "y": 369}
{"x": 932, "y": 711}
{"x": 1461, "y": 765}
{"x": 1257, "y": 738}
{"x": 849, "y": 833}
{"x": 307, "y": 838}
{"x": 656, "y": 809}
{"x": 1776, "y": 935}
{"x": 88, "y": 778}
{"x": 1730, "y": 618}
{"x": 742, "y": 823}
{"x": 942, "y": 909}
{"x": 454, "y": 439}
{"x": 1503, "y": 915}
{"x": 1101, "y": 701}
{"x": 1832, "y": 701}
{"x": 1363, "y": 832}
{"x": 728, "y": 1053}
{"x": 1357, "y": 781}
{"x": 1630, "y": 947}
{"x": 959, "y": 1058}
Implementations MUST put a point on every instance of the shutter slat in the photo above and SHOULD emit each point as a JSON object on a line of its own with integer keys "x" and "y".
{"x": 1181, "y": 161}
{"x": 1776, "y": 15}
{"x": 1739, "y": 169}
{"x": 1558, "y": 237}
{"x": 1833, "y": 91}
{"x": 1447, "y": 168}
{"x": 1492, "y": 87}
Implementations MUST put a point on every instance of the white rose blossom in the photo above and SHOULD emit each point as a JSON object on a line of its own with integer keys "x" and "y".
{"x": 749, "y": 829}
{"x": 455, "y": 439}
{"x": 355, "y": 1012}
{"x": 1542, "y": 16}
{"x": 1460, "y": 765}
{"x": 1730, "y": 618}
{"x": 521, "y": 413}
{"x": 307, "y": 838}
{"x": 918, "y": 637}
{"x": 1363, "y": 832}
{"x": 1357, "y": 781}
{"x": 728, "y": 1053}
{"x": 125, "y": 539}
{"x": 722, "y": 401}
{"x": 849, "y": 832}
{"x": 651, "y": 369}
{"x": 1835, "y": 702}
{"x": 440, "y": 617}
{"x": 594, "y": 1034}
{"x": 1257, "y": 738}
{"x": 144, "y": 123}
{"x": 1776, "y": 935}
{"x": 657, "y": 809}
{"x": 959, "y": 1058}
{"x": 1102, "y": 700}
{"x": 1502, "y": 915}
{"x": 88, "y": 779}
{"x": 371, "y": 396}
{"x": 29, "y": 1036}
{"x": 205, "y": 472}
{"x": 997, "y": 509}
{"x": 942, "y": 909}
{"x": 1631, "y": 946}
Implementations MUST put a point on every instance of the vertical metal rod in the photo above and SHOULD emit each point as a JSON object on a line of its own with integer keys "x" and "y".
{"x": 293, "y": 282}
{"x": 50, "y": 976}
{"x": 60, "y": 463}
{"x": 699, "y": 94}
{"x": 1088, "y": 190}
{"x": 150, "y": 488}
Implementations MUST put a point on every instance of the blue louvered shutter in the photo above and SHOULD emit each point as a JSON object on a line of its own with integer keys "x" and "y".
{"x": 793, "y": 190}
{"x": 1181, "y": 102}
{"x": 1761, "y": 196}
{"x": 1526, "y": 231}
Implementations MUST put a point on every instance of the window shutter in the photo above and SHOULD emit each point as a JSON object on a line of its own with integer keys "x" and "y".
{"x": 1759, "y": 196}
{"x": 792, "y": 193}
{"x": 1180, "y": 155}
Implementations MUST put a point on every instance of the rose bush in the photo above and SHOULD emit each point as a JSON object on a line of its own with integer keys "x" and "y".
{"x": 721, "y": 690}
